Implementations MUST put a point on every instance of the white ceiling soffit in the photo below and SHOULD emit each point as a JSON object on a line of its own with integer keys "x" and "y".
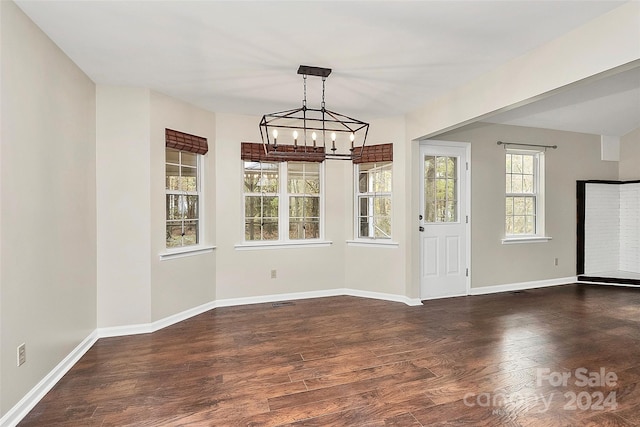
{"x": 606, "y": 106}
{"x": 388, "y": 57}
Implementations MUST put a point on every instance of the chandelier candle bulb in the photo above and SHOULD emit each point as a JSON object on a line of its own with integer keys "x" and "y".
{"x": 333, "y": 141}
{"x": 352, "y": 137}
{"x": 275, "y": 138}
{"x": 313, "y": 136}
{"x": 295, "y": 139}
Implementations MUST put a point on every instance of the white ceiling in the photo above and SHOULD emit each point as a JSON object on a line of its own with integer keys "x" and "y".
{"x": 388, "y": 57}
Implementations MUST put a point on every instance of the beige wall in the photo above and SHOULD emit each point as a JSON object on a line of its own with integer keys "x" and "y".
{"x": 179, "y": 284}
{"x": 123, "y": 206}
{"x": 630, "y": 156}
{"x": 134, "y": 285}
{"x": 47, "y": 193}
{"x": 577, "y": 158}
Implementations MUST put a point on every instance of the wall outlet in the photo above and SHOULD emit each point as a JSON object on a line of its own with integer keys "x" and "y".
{"x": 555, "y": 262}
{"x": 22, "y": 354}
{"x": 274, "y": 274}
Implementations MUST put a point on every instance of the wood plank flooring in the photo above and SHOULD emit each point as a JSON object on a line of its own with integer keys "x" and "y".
{"x": 347, "y": 361}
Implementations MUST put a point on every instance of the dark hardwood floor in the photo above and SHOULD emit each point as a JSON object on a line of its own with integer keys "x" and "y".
{"x": 344, "y": 361}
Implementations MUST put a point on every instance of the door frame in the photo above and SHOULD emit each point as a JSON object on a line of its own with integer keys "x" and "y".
{"x": 468, "y": 186}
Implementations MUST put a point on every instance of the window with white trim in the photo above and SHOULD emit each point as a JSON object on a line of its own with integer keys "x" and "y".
{"x": 183, "y": 198}
{"x": 373, "y": 200}
{"x": 282, "y": 201}
{"x": 524, "y": 193}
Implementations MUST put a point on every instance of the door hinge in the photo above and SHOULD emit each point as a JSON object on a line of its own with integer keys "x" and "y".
{"x": 467, "y": 165}
{"x": 467, "y": 219}
{"x": 467, "y": 272}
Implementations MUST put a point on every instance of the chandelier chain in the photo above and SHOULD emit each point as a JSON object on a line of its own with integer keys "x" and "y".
{"x": 323, "y": 80}
{"x": 304, "y": 100}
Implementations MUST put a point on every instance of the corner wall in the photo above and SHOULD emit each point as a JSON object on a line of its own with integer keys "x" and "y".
{"x": 134, "y": 286}
{"x": 47, "y": 193}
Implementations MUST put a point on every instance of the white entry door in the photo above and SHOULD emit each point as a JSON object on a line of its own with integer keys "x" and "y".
{"x": 444, "y": 219}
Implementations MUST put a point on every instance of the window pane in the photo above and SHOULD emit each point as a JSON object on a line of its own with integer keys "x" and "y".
{"x": 364, "y": 205}
{"x": 251, "y": 178}
{"x": 295, "y": 229}
{"x": 527, "y": 183}
{"x": 174, "y": 235}
{"x": 451, "y": 212}
{"x": 312, "y": 229}
{"x": 363, "y": 182}
{"x": 508, "y": 183}
{"x": 516, "y": 163}
{"x": 252, "y": 207}
{"x": 172, "y": 177}
{"x": 312, "y": 207}
{"x": 530, "y": 206}
{"x": 382, "y": 206}
{"x": 189, "y": 159}
{"x": 452, "y": 167}
{"x": 312, "y": 184}
{"x": 190, "y": 233}
{"x": 270, "y": 207}
{"x": 304, "y": 229}
{"x": 173, "y": 207}
{"x": 172, "y": 156}
{"x": 518, "y": 224}
{"x": 364, "y": 227}
{"x": 296, "y": 207}
{"x": 527, "y": 165}
{"x": 253, "y": 229}
{"x": 383, "y": 227}
{"x": 508, "y": 163}
{"x": 430, "y": 211}
{"x": 189, "y": 179}
{"x": 191, "y": 207}
{"x": 509, "y": 206}
{"x": 270, "y": 229}
{"x": 516, "y": 184}
{"x": 519, "y": 206}
{"x": 509, "y": 225}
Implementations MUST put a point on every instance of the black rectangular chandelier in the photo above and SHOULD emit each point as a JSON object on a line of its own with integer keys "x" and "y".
{"x": 312, "y": 134}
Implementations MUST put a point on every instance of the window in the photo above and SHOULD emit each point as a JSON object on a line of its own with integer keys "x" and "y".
{"x": 440, "y": 186}
{"x": 303, "y": 185}
{"x": 183, "y": 186}
{"x": 281, "y": 196}
{"x": 524, "y": 193}
{"x": 373, "y": 200}
{"x": 261, "y": 200}
{"x": 182, "y": 198}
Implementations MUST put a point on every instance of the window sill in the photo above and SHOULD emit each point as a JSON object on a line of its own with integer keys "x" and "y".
{"x": 251, "y": 246}
{"x": 375, "y": 243}
{"x": 185, "y": 252}
{"x": 525, "y": 239}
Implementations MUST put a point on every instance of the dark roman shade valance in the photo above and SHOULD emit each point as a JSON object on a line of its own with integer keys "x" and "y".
{"x": 254, "y": 152}
{"x": 185, "y": 142}
{"x": 375, "y": 153}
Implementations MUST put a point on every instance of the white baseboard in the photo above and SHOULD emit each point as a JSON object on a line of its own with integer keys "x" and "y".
{"x": 624, "y": 285}
{"x": 522, "y": 286}
{"x": 31, "y": 399}
{"x": 145, "y": 328}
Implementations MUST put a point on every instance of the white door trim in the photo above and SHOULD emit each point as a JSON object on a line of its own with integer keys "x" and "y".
{"x": 467, "y": 147}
